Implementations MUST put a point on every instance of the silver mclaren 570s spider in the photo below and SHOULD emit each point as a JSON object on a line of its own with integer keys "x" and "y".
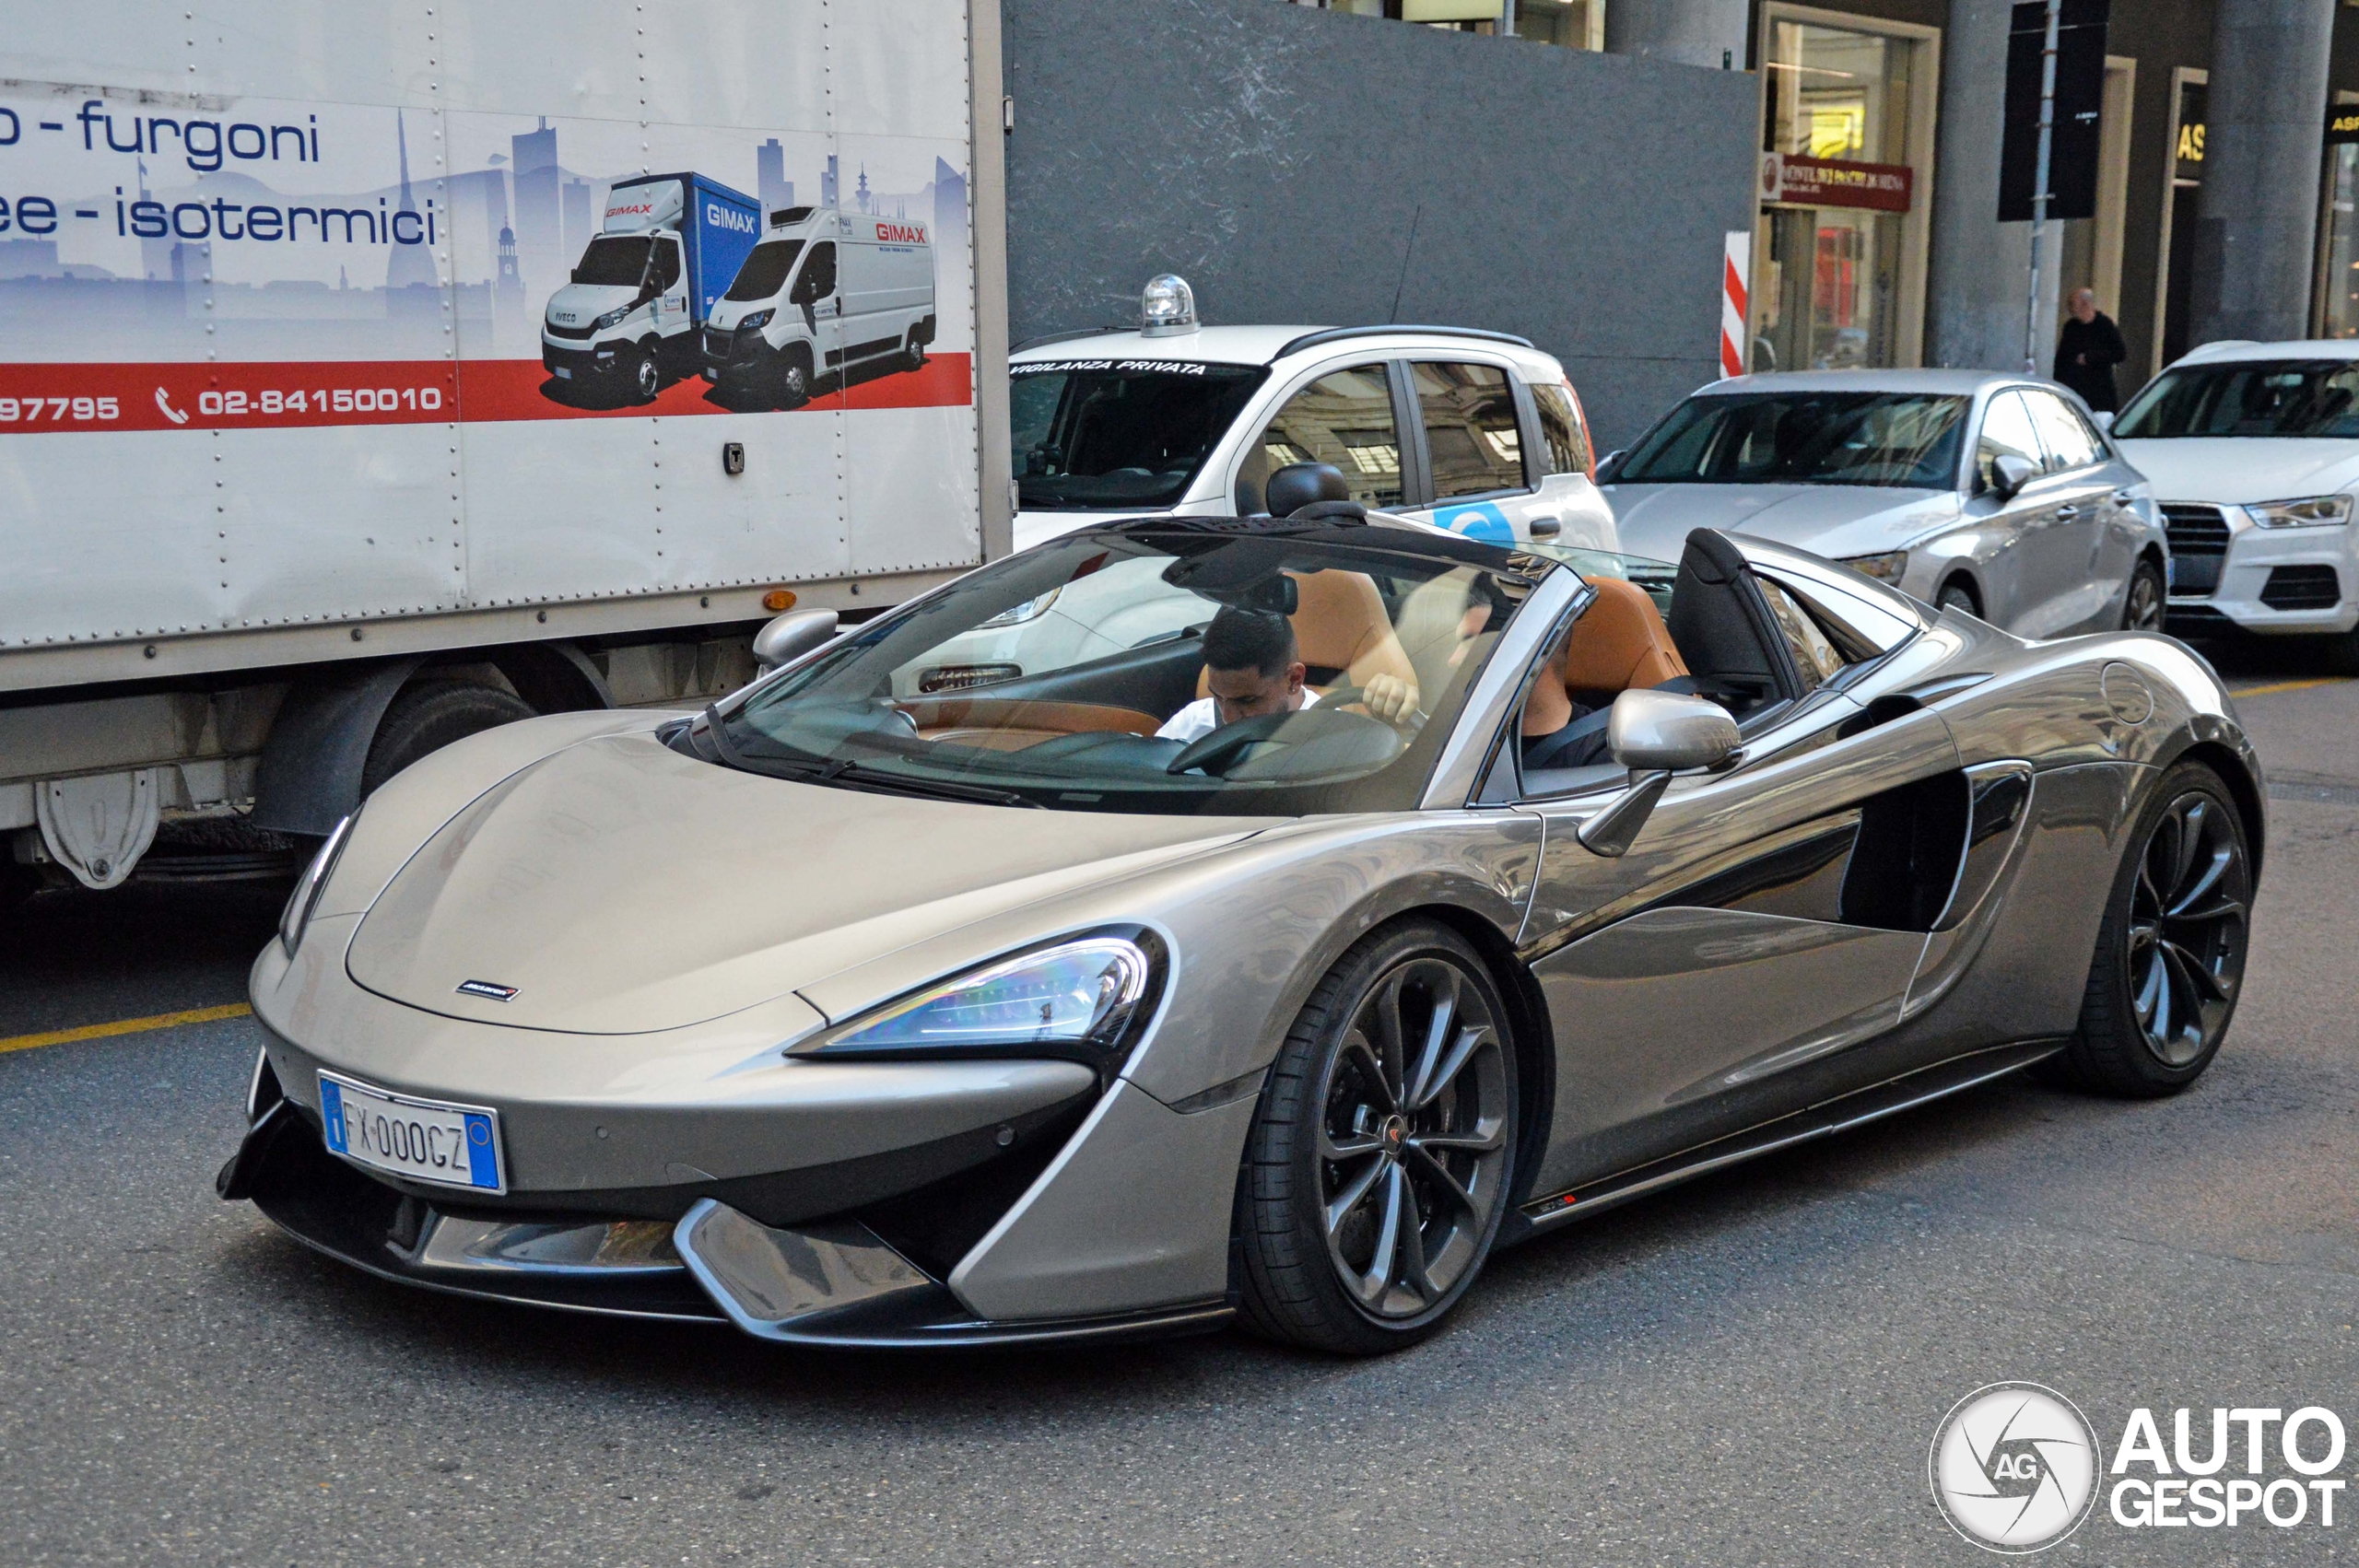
{"x": 1197, "y": 920}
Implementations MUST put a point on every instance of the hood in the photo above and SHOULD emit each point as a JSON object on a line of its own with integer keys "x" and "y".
{"x": 2240, "y": 470}
{"x": 620, "y": 888}
{"x": 1834, "y": 521}
{"x": 579, "y": 304}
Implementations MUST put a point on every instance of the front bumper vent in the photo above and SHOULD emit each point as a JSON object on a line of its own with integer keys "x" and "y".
{"x": 2302, "y": 588}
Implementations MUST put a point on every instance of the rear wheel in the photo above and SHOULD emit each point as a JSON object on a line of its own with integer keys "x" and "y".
{"x": 1956, "y": 594}
{"x": 1379, "y": 1163}
{"x": 2141, "y": 608}
{"x": 2170, "y": 956}
{"x": 430, "y": 715}
{"x": 913, "y": 351}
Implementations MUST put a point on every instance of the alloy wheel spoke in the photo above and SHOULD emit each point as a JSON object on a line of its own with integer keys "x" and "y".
{"x": 2191, "y": 833}
{"x": 1356, "y": 1192}
{"x": 1438, "y": 1028}
{"x": 2206, "y": 880}
{"x": 1477, "y": 1142}
{"x": 2221, "y": 908}
{"x": 1330, "y": 1147}
{"x": 1391, "y": 1047}
{"x": 2202, "y": 985}
{"x": 2149, "y": 993}
{"x": 1416, "y": 1269}
{"x": 1471, "y": 1039}
{"x": 1359, "y": 1051}
{"x": 1438, "y": 1175}
{"x": 1378, "y": 1274}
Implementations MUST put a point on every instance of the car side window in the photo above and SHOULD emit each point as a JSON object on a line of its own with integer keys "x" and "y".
{"x": 2070, "y": 441}
{"x": 1816, "y": 655}
{"x": 664, "y": 267}
{"x": 819, "y": 279}
{"x": 2007, "y": 431}
{"x": 1563, "y": 446}
{"x": 1471, "y": 438}
{"x": 1343, "y": 418}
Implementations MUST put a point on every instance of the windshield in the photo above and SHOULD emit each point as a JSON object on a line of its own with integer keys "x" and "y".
{"x": 1803, "y": 437}
{"x": 765, "y": 271}
{"x": 1108, "y": 435}
{"x": 615, "y": 261}
{"x": 1094, "y": 673}
{"x": 2274, "y": 397}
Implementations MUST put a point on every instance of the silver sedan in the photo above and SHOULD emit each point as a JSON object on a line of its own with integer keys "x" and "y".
{"x": 1996, "y": 494}
{"x": 1398, "y": 898}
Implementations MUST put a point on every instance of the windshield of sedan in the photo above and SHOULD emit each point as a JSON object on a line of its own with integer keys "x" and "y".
{"x": 2271, "y": 397}
{"x": 1073, "y": 676}
{"x": 1803, "y": 437}
{"x": 1113, "y": 435}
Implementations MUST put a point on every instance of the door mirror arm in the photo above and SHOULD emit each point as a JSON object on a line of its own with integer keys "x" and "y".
{"x": 1656, "y": 734}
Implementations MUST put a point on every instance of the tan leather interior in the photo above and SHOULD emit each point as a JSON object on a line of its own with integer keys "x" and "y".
{"x": 1009, "y": 724}
{"x": 1620, "y": 643}
{"x": 1340, "y": 622}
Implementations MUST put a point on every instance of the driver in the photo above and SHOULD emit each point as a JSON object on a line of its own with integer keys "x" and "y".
{"x": 1252, "y": 667}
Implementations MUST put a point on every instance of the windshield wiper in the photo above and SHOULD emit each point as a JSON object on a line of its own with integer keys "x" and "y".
{"x": 853, "y": 774}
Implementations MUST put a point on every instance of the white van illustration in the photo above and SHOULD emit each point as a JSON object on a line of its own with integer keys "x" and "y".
{"x": 826, "y": 295}
{"x": 646, "y": 281}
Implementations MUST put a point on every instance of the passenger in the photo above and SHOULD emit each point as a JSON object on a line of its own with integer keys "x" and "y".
{"x": 1553, "y": 732}
{"x": 1253, "y": 667}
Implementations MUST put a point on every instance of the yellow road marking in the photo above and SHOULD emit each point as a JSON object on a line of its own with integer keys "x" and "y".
{"x": 126, "y": 1027}
{"x": 2287, "y": 686}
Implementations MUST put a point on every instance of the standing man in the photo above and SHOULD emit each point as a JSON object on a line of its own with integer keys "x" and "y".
{"x": 2087, "y": 350}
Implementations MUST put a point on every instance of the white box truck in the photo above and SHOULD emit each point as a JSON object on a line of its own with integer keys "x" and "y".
{"x": 291, "y": 493}
{"x": 628, "y": 316}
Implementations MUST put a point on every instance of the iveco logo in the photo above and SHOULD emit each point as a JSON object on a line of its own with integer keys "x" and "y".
{"x": 495, "y": 991}
{"x": 561, "y": 316}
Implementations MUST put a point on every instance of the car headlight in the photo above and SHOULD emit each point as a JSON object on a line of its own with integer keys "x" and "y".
{"x": 754, "y": 323}
{"x": 1887, "y": 568}
{"x": 2312, "y": 511}
{"x": 1030, "y": 610}
{"x": 613, "y": 317}
{"x": 306, "y": 896}
{"x": 1076, "y": 999}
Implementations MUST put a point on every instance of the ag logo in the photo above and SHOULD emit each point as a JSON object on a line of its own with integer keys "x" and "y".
{"x": 2014, "y": 1468}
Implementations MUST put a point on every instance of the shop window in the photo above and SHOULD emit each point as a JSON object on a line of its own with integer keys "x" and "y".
{"x": 1471, "y": 439}
{"x": 2338, "y": 305}
{"x": 1832, "y": 277}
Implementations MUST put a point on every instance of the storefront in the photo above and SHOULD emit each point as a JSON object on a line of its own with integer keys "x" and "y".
{"x": 1838, "y": 269}
{"x": 2337, "y": 310}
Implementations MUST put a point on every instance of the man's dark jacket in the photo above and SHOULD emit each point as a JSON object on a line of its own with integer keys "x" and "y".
{"x": 2086, "y": 353}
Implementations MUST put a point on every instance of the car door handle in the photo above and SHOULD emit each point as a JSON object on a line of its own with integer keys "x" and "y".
{"x": 2067, "y": 512}
{"x": 2124, "y": 498}
{"x": 1546, "y": 527}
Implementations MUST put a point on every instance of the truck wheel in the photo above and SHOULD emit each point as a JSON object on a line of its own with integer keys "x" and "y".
{"x": 647, "y": 375}
{"x": 794, "y": 380}
{"x": 430, "y": 715}
{"x": 913, "y": 351}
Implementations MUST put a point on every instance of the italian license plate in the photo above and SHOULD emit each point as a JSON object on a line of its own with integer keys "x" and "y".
{"x": 424, "y": 1139}
{"x": 565, "y": 372}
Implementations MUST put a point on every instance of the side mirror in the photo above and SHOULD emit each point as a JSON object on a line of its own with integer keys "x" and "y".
{"x": 2010, "y": 473}
{"x": 789, "y": 636}
{"x": 2103, "y": 416}
{"x": 1655, "y": 734}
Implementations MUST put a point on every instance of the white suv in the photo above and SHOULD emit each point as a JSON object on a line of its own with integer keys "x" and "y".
{"x": 1475, "y": 432}
{"x": 2253, "y": 448}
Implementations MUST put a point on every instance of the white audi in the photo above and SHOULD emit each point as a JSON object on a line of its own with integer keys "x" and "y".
{"x": 2253, "y": 448}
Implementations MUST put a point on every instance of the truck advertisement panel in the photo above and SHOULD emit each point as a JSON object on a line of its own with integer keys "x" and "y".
{"x": 516, "y": 300}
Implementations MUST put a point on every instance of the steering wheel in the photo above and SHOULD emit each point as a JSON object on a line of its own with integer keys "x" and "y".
{"x": 1222, "y": 748}
{"x": 1336, "y": 698}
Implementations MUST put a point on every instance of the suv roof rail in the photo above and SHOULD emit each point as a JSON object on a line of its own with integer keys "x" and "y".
{"x": 1047, "y": 338}
{"x": 1337, "y": 334}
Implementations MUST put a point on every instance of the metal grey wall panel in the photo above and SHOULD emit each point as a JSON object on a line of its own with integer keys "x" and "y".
{"x": 1280, "y": 157}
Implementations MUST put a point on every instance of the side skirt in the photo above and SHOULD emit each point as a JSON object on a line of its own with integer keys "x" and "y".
{"x": 1823, "y": 1121}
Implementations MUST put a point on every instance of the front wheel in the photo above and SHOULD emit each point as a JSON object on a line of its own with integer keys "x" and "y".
{"x": 647, "y": 374}
{"x": 1378, "y": 1163}
{"x": 2170, "y": 956}
{"x": 2142, "y": 608}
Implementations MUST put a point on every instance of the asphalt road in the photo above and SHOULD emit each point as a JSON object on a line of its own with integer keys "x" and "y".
{"x": 1745, "y": 1371}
